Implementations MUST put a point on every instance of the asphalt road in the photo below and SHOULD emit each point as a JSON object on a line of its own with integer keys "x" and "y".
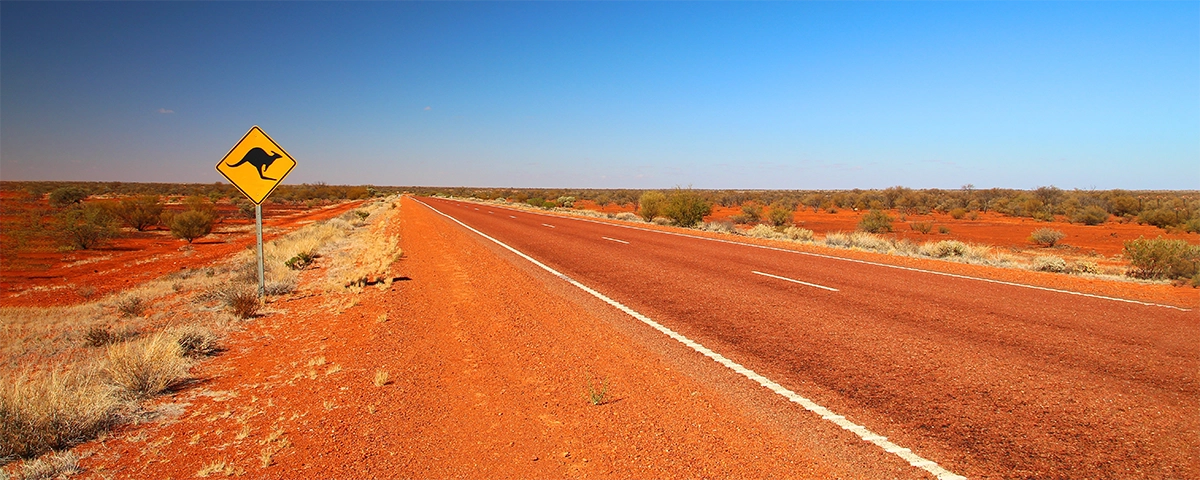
{"x": 987, "y": 380}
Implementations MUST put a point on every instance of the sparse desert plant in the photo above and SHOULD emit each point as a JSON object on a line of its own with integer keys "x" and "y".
{"x": 279, "y": 287}
{"x": 191, "y": 225}
{"x": 1092, "y": 215}
{"x": 958, "y": 213}
{"x": 102, "y": 336}
{"x": 144, "y": 368}
{"x": 131, "y": 306}
{"x": 762, "y": 231}
{"x": 85, "y": 227}
{"x": 1049, "y": 263}
{"x": 780, "y": 214}
{"x": 196, "y": 341}
{"x": 944, "y": 230}
{"x": 140, "y": 213}
{"x": 686, "y": 207}
{"x": 837, "y": 239}
{"x": 751, "y": 213}
{"x": 1159, "y": 217}
{"x": 597, "y": 391}
{"x": 944, "y": 249}
{"x": 51, "y": 410}
{"x": 921, "y": 227}
{"x": 362, "y": 214}
{"x": 1083, "y": 266}
{"x": 54, "y": 465}
{"x": 628, "y": 217}
{"x": 243, "y": 303}
{"x": 85, "y": 291}
{"x": 1162, "y": 258}
{"x": 381, "y": 378}
{"x": 875, "y": 221}
{"x": 662, "y": 221}
{"x": 651, "y": 205}
{"x": 798, "y": 234}
{"x": 720, "y": 227}
{"x": 1046, "y": 236}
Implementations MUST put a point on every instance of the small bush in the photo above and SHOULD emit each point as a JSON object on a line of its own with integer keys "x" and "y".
{"x": 140, "y": 213}
{"x": 131, "y": 306}
{"x": 1049, "y": 264}
{"x": 362, "y": 214}
{"x": 780, "y": 214}
{"x": 246, "y": 209}
{"x": 798, "y": 234}
{"x": 1162, "y": 258}
{"x": 102, "y": 336}
{"x": 921, "y": 227}
{"x": 628, "y": 217}
{"x": 1161, "y": 217}
{"x": 1084, "y": 266}
{"x": 243, "y": 303}
{"x": 191, "y": 225}
{"x": 597, "y": 391}
{"x": 944, "y": 230}
{"x": 278, "y": 287}
{"x": 1192, "y": 225}
{"x": 720, "y": 227}
{"x": 54, "y": 465}
{"x": 652, "y": 205}
{"x": 662, "y": 221}
{"x": 1092, "y": 215}
{"x": 686, "y": 207}
{"x": 958, "y": 213}
{"x": 1046, "y": 236}
{"x": 148, "y": 367}
{"x": 85, "y": 227}
{"x": 875, "y": 221}
{"x": 67, "y": 196}
{"x": 301, "y": 261}
{"x": 837, "y": 239}
{"x": 751, "y": 213}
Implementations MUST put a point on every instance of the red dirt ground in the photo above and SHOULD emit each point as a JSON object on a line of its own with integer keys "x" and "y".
{"x": 488, "y": 370}
{"x": 45, "y": 277}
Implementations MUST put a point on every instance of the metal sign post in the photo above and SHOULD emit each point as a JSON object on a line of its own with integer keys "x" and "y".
{"x": 246, "y": 166}
{"x": 258, "y": 229}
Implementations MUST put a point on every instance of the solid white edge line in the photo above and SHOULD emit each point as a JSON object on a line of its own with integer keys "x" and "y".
{"x": 794, "y": 280}
{"x": 867, "y": 262}
{"x": 615, "y": 240}
{"x": 862, "y": 432}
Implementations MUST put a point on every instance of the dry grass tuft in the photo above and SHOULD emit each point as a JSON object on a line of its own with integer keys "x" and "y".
{"x": 52, "y": 410}
{"x": 54, "y": 465}
{"x": 381, "y": 378}
{"x": 148, "y": 367}
{"x": 196, "y": 341}
{"x": 244, "y": 303}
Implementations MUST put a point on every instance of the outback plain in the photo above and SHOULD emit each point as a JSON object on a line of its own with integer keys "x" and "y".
{"x": 418, "y": 332}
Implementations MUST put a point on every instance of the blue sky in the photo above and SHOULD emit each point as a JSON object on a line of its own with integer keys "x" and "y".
{"x": 610, "y": 95}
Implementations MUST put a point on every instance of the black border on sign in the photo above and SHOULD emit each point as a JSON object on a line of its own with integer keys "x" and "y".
{"x": 281, "y": 177}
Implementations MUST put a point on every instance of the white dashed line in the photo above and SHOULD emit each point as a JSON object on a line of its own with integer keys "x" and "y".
{"x": 862, "y": 432}
{"x": 490, "y": 212}
{"x": 547, "y": 225}
{"x": 510, "y": 216}
{"x": 615, "y": 240}
{"x": 794, "y": 281}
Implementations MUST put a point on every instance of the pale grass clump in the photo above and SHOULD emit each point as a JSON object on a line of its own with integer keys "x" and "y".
{"x": 719, "y": 227}
{"x": 1049, "y": 263}
{"x": 51, "y": 410}
{"x": 628, "y": 217}
{"x": 381, "y": 378}
{"x": 147, "y": 367}
{"x": 365, "y": 256}
{"x": 798, "y": 234}
{"x": 53, "y": 465}
{"x": 762, "y": 231}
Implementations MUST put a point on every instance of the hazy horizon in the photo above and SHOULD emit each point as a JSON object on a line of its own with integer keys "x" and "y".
{"x": 744, "y": 96}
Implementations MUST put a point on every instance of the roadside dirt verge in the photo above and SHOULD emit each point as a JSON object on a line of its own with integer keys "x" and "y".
{"x": 469, "y": 366}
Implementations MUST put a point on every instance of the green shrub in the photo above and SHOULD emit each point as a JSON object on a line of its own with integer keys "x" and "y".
{"x": 751, "y": 213}
{"x": 1160, "y": 217}
{"x": 686, "y": 207}
{"x": 299, "y": 262}
{"x": 1162, "y": 258}
{"x": 780, "y": 214}
{"x": 66, "y": 196}
{"x": 1092, "y": 215}
{"x": 875, "y": 221}
{"x": 921, "y": 227}
{"x": 566, "y": 201}
{"x": 85, "y": 227}
{"x": 1046, "y": 236}
{"x": 140, "y": 212}
{"x": 191, "y": 225}
{"x": 131, "y": 306}
{"x": 1192, "y": 225}
{"x": 651, "y": 204}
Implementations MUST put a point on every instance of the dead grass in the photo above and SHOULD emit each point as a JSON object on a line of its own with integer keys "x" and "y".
{"x": 52, "y": 410}
{"x": 54, "y": 465}
{"x": 147, "y": 367}
{"x": 381, "y": 378}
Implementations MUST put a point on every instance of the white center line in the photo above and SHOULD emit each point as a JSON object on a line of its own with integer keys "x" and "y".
{"x": 615, "y": 240}
{"x": 510, "y": 216}
{"x": 794, "y": 281}
{"x": 490, "y": 212}
{"x": 548, "y": 225}
{"x": 825, "y": 414}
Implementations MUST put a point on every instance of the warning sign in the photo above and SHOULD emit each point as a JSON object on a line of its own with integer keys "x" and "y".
{"x": 256, "y": 165}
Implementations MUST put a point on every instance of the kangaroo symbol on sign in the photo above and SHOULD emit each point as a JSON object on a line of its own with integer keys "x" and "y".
{"x": 259, "y": 158}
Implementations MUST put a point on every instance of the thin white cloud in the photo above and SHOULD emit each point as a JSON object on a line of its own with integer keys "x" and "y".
{"x": 428, "y": 108}
{"x": 163, "y": 110}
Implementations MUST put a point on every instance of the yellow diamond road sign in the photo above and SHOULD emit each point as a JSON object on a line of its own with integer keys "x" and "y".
{"x": 256, "y": 165}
